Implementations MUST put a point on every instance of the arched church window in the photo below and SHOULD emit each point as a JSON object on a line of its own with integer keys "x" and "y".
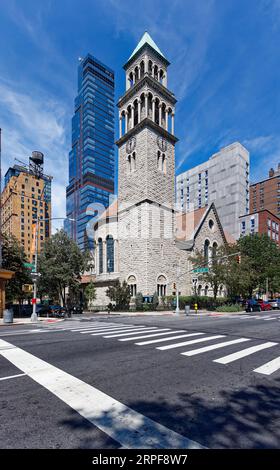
{"x": 206, "y": 290}
{"x": 129, "y": 167}
{"x": 214, "y": 252}
{"x": 206, "y": 250}
{"x": 100, "y": 255}
{"x": 199, "y": 289}
{"x": 161, "y": 286}
{"x": 131, "y": 281}
{"x": 110, "y": 253}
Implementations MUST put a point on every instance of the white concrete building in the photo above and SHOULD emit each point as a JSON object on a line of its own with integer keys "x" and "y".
{"x": 224, "y": 180}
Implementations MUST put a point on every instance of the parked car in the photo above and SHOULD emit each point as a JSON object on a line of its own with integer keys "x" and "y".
{"x": 57, "y": 311}
{"x": 75, "y": 309}
{"x": 252, "y": 305}
{"x": 43, "y": 310}
{"x": 275, "y": 303}
{"x": 264, "y": 305}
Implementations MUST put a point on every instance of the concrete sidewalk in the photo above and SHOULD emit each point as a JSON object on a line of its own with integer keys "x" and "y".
{"x": 27, "y": 321}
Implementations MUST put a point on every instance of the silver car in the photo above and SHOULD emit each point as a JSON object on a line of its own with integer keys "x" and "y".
{"x": 275, "y": 303}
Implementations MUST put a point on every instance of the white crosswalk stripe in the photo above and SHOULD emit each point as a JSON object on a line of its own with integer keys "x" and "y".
{"x": 186, "y": 343}
{"x": 109, "y": 329}
{"x": 151, "y": 336}
{"x": 269, "y": 367}
{"x": 129, "y": 333}
{"x": 244, "y": 353}
{"x": 171, "y": 338}
{"x": 124, "y": 330}
{"x": 214, "y": 346}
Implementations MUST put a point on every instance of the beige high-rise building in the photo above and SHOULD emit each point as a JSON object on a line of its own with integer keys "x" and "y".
{"x": 24, "y": 198}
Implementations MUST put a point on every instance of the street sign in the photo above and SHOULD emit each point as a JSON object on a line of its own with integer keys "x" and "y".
{"x": 35, "y": 275}
{"x": 201, "y": 270}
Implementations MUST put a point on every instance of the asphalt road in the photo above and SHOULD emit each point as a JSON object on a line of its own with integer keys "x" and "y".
{"x": 61, "y": 388}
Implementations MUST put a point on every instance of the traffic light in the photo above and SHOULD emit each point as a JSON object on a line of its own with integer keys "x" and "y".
{"x": 27, "y": 288}
{"x": 174, "y": 285}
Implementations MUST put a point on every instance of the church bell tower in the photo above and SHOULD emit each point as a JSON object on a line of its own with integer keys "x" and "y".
{"x": 146, "y": 186}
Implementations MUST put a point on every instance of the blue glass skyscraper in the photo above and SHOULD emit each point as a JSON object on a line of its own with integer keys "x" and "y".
{"x": 91, "y": 160}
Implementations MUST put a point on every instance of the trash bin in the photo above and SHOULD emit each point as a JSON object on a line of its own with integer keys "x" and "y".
{"x": 187, "y": 309}
{"x": 8, "y": 316}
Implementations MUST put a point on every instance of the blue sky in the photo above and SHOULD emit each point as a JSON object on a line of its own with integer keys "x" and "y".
{"x": 225, "y": 73}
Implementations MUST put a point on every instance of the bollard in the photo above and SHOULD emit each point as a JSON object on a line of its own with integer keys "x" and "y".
{"x": 8, "y": 316}
{"x": 195, "y": 307}
{"x": 187, "y": 309}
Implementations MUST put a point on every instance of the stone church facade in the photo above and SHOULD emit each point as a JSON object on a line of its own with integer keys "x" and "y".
{"x": 142, "y": 238}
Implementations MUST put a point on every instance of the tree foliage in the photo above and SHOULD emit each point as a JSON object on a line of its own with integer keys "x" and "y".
{"x": 61, "y": 264}
{"x": 259, "y": 261}
{"x": 90, "y": 292}
{"x": 121, "y": 294}
{"x": 13, "y": 260}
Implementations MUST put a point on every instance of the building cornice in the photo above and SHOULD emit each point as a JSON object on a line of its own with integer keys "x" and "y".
{"x": 147, "y": 122}
{"x": 153, "y": 83}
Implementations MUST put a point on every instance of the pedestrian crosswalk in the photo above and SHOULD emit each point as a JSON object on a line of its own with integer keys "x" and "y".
{"x": 186, "y": 343}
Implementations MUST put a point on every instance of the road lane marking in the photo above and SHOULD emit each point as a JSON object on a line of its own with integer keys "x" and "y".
{"x": 129, "y": 333}
{"x": 171, "y": 338}
{"x": 126, "y": 426}
{"x": 12, "y": 376}
{"x": 193, "y": 352}
{"x": 152, "y": 335}
{"x": 244, "y": 353}
{"x": 269, "y": 367}
{"x": 186, "y": 343}
{"x": 124, "y": 330}
{"x": 270, "y": 318}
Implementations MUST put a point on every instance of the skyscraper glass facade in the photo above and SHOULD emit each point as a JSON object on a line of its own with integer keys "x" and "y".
{"x": 91, "y": 159}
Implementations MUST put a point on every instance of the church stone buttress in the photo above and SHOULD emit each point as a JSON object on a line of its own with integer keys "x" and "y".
{"x": 146, "y": 191}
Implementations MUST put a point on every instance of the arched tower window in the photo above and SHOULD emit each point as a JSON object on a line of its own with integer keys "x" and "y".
{"x": 129, "y": 164}
{"x": 133, "y": 162}
{"x": 100, "y": 255}
{"x": 142, "y": 69}
{"x": 110, "y": 253}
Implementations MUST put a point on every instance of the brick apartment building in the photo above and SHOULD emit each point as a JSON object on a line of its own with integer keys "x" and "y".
{"x": 262, "y": 222}
{"x": 266, "y": 193}
{"x": 24, "y": 198}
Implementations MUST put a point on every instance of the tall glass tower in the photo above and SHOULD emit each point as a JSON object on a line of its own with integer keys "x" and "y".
{"x": 91, "y": 159}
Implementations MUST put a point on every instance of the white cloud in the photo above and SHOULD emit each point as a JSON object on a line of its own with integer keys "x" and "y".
{"x": 35, "y": 122}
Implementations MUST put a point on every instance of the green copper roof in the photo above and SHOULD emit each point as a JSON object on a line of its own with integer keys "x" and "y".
{"x": 146, "y": 39}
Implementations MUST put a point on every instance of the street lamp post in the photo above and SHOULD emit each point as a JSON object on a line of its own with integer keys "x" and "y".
{"x": 35, "y": 274}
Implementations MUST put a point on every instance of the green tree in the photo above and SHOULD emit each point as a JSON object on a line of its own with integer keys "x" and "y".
{"x": 90, "y": 293}
{"x": 61, "y": 264}
{"x": 155, "y": 300}
{"x": 215, "y": 276}
{"x": 13, "y": 260}
{"x": 121, "y": 294}
{"x": 139, "y": 301}
{"x": 260, "y": 260}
